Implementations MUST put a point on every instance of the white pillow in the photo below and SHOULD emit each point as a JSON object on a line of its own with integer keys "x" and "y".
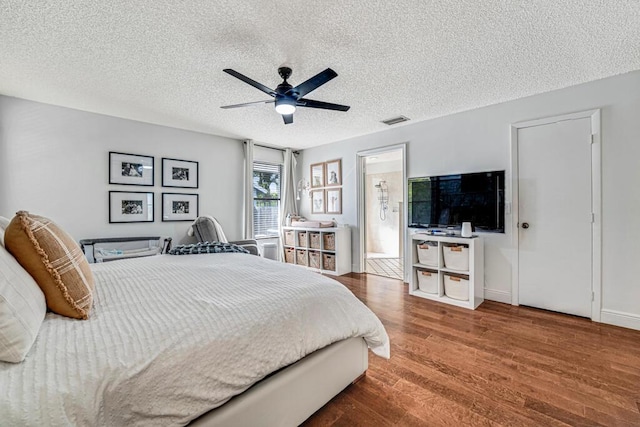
{"x": 4, "y": 223}
{"x": 22, "y": 309}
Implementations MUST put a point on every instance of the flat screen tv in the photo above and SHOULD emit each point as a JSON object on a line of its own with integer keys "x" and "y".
{"x": 450, "y": 200}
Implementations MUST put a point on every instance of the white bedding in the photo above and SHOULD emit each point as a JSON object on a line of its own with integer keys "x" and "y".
{"x": 171, "y": 337}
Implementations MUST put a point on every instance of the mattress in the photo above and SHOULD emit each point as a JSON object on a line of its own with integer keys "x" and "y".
{"x": 172, "y": 337}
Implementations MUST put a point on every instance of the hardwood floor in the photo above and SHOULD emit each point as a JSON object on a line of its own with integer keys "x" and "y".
{"x": 497, "y": 365}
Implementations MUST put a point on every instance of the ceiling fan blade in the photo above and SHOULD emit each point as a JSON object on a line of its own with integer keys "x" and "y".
{"x": 303, "y": 102}
{"x": 314, "y": 82}
{"x": 252, "y": 82}
{"x": 288, "y": 118}
{"x": 246, "y": 104}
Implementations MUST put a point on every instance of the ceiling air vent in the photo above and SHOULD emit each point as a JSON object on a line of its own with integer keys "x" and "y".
{"x": 395, "y": 120}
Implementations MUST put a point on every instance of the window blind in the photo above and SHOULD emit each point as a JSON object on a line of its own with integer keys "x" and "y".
{"x": 266, "y": 199}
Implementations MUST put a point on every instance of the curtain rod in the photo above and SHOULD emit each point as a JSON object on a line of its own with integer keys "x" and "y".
{"x": 271, "y": 148}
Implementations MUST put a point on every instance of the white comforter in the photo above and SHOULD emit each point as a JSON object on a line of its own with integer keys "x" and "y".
{"x": 171, "y": 337}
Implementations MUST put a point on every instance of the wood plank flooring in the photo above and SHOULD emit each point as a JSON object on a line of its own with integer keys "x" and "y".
{"x": 497, "y": 365}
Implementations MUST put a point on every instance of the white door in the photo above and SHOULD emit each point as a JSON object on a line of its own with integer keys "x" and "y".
{"x": 555, "y": 216}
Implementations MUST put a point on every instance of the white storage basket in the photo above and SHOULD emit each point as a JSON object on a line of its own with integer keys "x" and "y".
{"x": 456, "y": 287}
{"x": 456, "y": 257}
{"x": 427, "y": 281}
{"x": 428, "y": 253}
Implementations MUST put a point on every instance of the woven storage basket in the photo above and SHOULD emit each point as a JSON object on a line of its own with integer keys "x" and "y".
{"x": 428, "y": 253}
{"x": 329, "y": 262}
{"x": 456, "y": 257}
{"x": 427, "y": 281}
{"x": 456, "y": 287}
{"x": 289, "y": 238}
{"x": 314, "y": 240}
{"x": 302, "y": 238}
{"x": 289, "y": 255}
{"x": 301, "y": 257}
{"x": 329, "y": 241}
{"x": 314, "y": 259}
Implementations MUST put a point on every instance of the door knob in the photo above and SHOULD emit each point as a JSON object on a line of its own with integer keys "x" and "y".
{"x": 525, "y": 225}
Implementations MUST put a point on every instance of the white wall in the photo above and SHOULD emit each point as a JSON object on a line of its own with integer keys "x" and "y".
{"x": 479, "y": 140}
{"x": 54, "y": 162}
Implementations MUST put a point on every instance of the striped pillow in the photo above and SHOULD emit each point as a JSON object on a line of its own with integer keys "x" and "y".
{"x": 55, "y": 261}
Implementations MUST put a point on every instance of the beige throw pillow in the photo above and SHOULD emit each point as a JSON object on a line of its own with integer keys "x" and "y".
{"x": 55, "y": 261}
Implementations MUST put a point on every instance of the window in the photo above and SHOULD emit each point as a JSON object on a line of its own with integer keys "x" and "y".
{"x": 266, "y": 199}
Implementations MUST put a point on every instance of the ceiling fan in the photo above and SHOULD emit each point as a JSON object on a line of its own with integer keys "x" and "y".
{"x": 287, "y": 97}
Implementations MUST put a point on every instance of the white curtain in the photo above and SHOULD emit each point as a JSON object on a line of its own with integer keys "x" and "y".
{"x": 288, "y": 188}
{"x": 288, "y": 197}
{"x": 248, "y": 189}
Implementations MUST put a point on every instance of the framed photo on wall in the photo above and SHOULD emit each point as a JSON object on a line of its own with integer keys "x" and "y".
{"x": 179, "y": 173}
{"x": 334, "y": 172}
{"x": 317, "y": 175}
{"x": 317, "y": 201}
{"x": 130, "y": 169}
{"x": 179, "y": 207}
{"x": 334, "y": 200}
{"x": 130, "y": 206}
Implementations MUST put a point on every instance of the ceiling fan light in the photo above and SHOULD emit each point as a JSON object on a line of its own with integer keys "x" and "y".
{"x": 285, "y": 106}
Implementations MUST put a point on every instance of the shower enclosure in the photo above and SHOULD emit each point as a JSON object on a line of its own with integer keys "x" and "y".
{"x": 384, "y": 214}
{"x": 383, "y": 199}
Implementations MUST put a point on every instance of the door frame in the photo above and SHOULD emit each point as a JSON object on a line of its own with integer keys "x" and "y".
{"x": 360, "y": 165}
{"x": 596, "y": 203}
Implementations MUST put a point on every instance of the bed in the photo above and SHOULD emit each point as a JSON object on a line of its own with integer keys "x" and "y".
{"x": 210, "y": 339}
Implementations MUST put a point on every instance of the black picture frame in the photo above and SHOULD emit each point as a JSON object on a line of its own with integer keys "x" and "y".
{"x": 131, "y": 206}
{"x": 178, "y": 173}
{"x": 180, "y": 207}
{"x": 131, "y": 169}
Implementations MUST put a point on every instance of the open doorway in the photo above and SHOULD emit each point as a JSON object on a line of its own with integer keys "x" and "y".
{"x": 382, "y": 195}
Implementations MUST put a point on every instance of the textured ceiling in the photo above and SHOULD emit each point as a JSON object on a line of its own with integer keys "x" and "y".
{"x": 161, "y": 61}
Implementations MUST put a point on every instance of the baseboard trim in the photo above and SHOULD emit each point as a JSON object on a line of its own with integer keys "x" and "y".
{"x": 499, "y": 296}
{"x": 620, "y": 318}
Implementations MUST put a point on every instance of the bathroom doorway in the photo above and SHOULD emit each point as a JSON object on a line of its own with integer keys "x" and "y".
{"x": 383, "y": 211}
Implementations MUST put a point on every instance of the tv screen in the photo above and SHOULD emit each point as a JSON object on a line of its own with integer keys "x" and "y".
{"x": 450, "y": 200}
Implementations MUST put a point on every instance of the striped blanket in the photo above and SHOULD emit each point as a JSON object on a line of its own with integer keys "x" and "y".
{"x": 207, "y": 248}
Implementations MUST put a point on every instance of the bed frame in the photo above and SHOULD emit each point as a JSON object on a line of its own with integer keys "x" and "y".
{"x": 293, "y": 394}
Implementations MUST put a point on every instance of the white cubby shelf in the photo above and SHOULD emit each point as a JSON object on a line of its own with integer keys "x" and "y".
{"x": 324, "y": 250}
{"x": 463, "y": 277}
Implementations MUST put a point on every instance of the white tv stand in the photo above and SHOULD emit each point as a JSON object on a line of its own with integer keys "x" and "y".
{"x": 440, "y": 272}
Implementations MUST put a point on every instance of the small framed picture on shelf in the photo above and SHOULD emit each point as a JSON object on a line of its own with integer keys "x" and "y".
{"x": 179, "y": 173}
{"x": 130, "y": 169}
{"x": 130, "y": 206}
{"x": 317, "y": 175}
{"x": 333, "y": 200}
{"x": 334, "y": 172}
{"x": 317, "y": 201}
{"x": 179, "y": 207}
